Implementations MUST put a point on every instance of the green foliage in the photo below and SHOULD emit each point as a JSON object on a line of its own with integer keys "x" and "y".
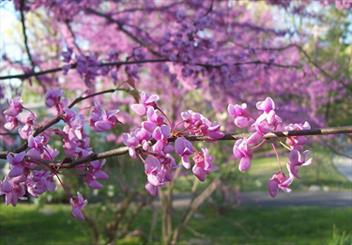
{"x": 340, "y": 238}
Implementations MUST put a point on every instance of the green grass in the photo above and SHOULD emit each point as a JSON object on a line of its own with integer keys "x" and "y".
{"x": 26, "y": 224}
{"x": 289, "y": 225}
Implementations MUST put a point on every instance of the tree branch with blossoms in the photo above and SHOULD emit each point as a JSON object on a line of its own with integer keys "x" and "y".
{"x": 160, "y": 60}
{"x": 34, "y": 165}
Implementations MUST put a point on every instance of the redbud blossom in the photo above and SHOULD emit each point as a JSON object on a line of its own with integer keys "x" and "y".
{"x": 241, "y": 117}
{"x": 54, "y": 98}
{"x": 78, "y": 203}
{"x": 203, "y": 164}
{"x": 196, "y": 124}
{"x": 145, "y": 101}
{"x": 12, "y": 190}
{"x": 242, "y": 151}
{"x": 296, "y": 159}
{"x": 101, "y": 120}
{"x": 277, "y": 182}
{"x": 184, "y": 149}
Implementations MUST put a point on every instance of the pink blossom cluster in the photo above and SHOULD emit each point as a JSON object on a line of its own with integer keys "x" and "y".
{"x": 87, "y": 66}
{"x": 24, "y": 175}
{"x": 268, "y": 121}
{"x": 152, "y": 142}
{"x": 28, "y": 173}
{"x": 17, "y": 115}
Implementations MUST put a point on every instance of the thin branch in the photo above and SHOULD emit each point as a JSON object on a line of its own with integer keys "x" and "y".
{"x": 81, "y": 98}
{"x": 73, "y": 35}
{"x": 322, "y": 70}
{"x": 161, "y": 60}
{"x": 336, "y": 151}
{"x": 196, "y": 202}
{"x": 74, "y": 66}
{"x": 124, "y": 30}
{"x": 24, "y": 32}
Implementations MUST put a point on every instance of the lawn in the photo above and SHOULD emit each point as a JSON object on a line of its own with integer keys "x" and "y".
{"x": 52, "y": 224}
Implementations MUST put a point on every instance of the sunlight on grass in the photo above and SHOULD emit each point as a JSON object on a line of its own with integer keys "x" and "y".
{"x": 53, "y": 224}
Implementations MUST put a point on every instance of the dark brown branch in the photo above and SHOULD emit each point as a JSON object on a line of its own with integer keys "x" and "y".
{"x": 122, "y": 28}
{"x": 161, "y": 60}
{"x": 73, "y": 35}
{"x": 81, "y": 98}
{"x": 24, "y": 32}
{"x": 74, "y": 66}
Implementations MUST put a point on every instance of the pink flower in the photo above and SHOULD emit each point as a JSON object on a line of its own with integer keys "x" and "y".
{"x": 94, "y": 172}
{"x": 203, "y": 164}
{"x": 266, "y": 105}
{"x": 11, "y": 113}
{"x": 28, "y": 127}
{"x": 132, "y": 142}
{"x": 161, "y": 135}
{"x": 11, "y": 122}
{"x": 240, "y": 115}
{"x": 78, "y": 203}
{"x": 297, "y": 142}
{"x": 267, "y": 122}
{"x": 195, "y": 123}
{"x": 17, "y": 164}
{"x": 296, "y": 159}
{"x": 277, "y": 182}
{"x": 255, "y": 138}
{"x": 100, "y": 120}
{"x": 88, "y": 68}
{"x": 39, "y": 182}
{"x": 15, "y": 107}
{"x": 12, "y": 190}
{"x": 159, "y": 170}
{"x": 242, "y": 151}
{"x": 53, "y": 98}
{"x": 184, "y": 148}
{"x": 152, "y": 168}
{"x": 145, "y": 101}
{"x": 154, "y": 116}
{"x": 152, "y": 190}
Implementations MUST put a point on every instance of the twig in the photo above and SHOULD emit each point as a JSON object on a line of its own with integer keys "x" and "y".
{"x": 24, "y": 32}
{"x": 193, "y": 208}
{"x": 74, "y": 66}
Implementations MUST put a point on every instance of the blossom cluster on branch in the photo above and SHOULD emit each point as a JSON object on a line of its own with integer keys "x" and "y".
{"x": 156, "y": 142}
